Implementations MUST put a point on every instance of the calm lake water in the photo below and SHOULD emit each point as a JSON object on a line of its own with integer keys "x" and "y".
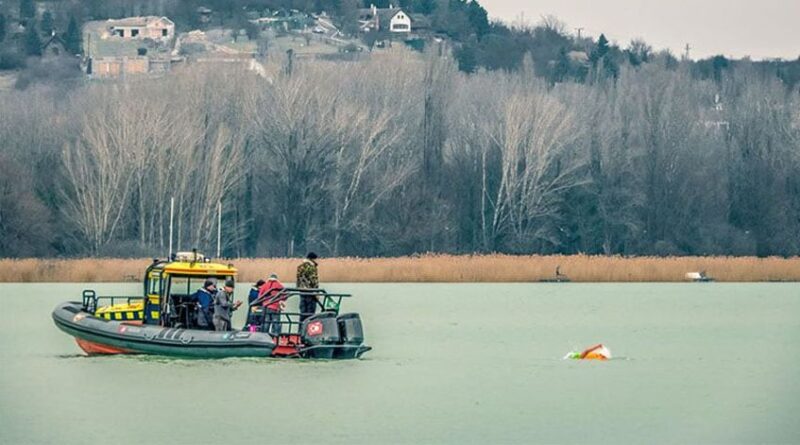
{"x": 464, "y": 363}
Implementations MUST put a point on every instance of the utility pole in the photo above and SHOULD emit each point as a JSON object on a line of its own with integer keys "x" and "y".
{"x": 686, "y": 51}
{"x": 219, "y": 229}
{"x": 171, "y": 219}
{"x": 579, "y": 32}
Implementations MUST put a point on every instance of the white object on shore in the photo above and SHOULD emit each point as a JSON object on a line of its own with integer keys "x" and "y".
{"x": 698, "y": 276}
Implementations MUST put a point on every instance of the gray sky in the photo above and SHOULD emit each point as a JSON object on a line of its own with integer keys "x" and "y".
{"x": 756, "y": 28}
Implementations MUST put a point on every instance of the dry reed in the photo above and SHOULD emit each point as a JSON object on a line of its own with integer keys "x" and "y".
{"x": 434, "y": 268}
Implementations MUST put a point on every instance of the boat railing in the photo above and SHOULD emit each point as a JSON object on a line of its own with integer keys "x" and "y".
{"x": 91, "y": 300}
{"x": 290, "y": 322}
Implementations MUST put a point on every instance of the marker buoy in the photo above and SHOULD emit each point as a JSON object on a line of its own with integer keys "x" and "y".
{"x": 596, "y": 352}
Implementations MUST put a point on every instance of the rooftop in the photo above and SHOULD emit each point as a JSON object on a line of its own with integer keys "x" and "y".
{"x": 136, "y": 21}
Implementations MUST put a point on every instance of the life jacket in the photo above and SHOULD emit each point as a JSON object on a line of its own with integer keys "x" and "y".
{"x": 270, "y": 289}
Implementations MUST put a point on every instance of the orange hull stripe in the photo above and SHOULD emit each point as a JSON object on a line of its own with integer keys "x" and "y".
{"x": 92, "y": 348}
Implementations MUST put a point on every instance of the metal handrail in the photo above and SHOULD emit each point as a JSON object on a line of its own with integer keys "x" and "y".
{"x": 91, "y": 299}
{"x": 287, "y": 292}
{"x": 289, "y": 322}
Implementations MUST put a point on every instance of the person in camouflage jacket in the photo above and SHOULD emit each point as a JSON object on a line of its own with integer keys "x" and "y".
{"x": 308, "y": 278}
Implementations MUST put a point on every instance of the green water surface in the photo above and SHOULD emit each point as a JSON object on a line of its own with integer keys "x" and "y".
{"x": 453, "y": 363}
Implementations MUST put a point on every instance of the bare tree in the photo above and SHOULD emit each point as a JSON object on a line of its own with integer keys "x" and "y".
{"x": 99, "y": 172}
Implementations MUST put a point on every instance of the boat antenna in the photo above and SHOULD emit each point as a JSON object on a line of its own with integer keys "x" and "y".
{"x": 219, "y": 228}
{"x": 171, "y": 220}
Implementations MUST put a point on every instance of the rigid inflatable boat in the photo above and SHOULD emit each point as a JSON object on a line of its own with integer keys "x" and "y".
{"x": 96, "y": 335}
{"x": 164, "y": 322}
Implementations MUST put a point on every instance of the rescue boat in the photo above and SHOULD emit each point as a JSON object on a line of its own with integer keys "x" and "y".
{"x": 163, "y": 322}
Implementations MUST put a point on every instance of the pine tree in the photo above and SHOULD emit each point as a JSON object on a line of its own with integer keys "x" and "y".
{"x": 424, "y": 6}
{"x": 563, "y": 66}
{"x": 347, "y": 12}
{"x": 47, "y": 24}
{"x": 27, "y": 9}
{"x": 72, "y": 39}
{"x": 33, "y": 45}
{"x": 467, "y": 57}
{"x": 600, "y": 50}
{"x": 478, "y": 18}
{"x": 2, "y": 27}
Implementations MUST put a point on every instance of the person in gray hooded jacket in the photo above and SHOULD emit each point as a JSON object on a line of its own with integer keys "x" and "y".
{"x": 224, "y": 306}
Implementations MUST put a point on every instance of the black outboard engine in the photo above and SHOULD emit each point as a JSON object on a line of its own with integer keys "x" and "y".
{"x": 352, "y": 334}
{"x": 320, "y": 335}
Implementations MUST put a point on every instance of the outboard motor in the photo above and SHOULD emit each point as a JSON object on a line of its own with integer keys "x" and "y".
{"x": 320, "y": 335}
{"x": 352, "y": 334}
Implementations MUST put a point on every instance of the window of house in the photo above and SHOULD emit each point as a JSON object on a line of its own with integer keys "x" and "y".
{"x": 134, "y": 32}
{"x": 164, "y": 32}
{"x": 120, "y": 32}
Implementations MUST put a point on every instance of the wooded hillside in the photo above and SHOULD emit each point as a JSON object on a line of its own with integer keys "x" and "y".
{"x": 403, "y": 153}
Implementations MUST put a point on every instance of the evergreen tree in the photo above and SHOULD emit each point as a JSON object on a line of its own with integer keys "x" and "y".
{"x": 424, "y": 6}
{"x": 478, "y": 18}
{"x": 562, "y": 67}
{"x": 611, "y": 66}
{"x": 719, "y": 64}
{"x": 27, "y": 9}
{"x": 467, "y": 57}
{"x": 2, "y": 27}
{"x": 72, "y": 39}
{"x": 47, "y": 24}
{"x": 347, "y": 13}
{"x": 33, "y": 44}
{"x": 252, "y": 30}
{"x": 600, "y": 50}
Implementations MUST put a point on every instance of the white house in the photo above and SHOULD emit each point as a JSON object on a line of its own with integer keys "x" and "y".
{"x": 147, "y": 27}
{"x": 384, "y": 19}
{"x": 398, "y": 20}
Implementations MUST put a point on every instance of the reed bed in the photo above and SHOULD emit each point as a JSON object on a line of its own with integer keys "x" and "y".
{"x": 434, "y": 268}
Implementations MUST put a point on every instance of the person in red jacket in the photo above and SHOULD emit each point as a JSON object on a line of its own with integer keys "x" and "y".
{"x": 272, "y": 310}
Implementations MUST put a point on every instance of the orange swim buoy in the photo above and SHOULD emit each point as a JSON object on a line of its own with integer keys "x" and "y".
{"x": 596, "y": 352}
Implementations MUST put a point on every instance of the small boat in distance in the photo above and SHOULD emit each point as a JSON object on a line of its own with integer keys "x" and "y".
{"x": 699, "y": 277}
{"x": 163, "y": 320}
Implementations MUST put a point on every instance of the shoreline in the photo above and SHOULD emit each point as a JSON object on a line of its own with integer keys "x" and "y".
{"x": 433, "y": 269}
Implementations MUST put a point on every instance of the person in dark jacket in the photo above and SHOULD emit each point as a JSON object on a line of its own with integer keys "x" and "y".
{"x": 256, "y": 312}
{"x": 224, "y": 306}
{"x": 204, "y": 298}
{"x": 251, "y": 297}
{"x": 308, "y": 278}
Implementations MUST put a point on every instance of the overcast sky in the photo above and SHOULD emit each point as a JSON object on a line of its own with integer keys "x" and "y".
{"x": 756, "y": 28}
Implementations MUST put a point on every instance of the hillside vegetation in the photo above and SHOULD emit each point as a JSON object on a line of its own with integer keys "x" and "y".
{"x": 552, "y": 145}
{"x": 402, "y": 153}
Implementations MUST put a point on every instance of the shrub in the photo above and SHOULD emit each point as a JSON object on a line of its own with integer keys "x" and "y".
{"x": 11, "y": 60}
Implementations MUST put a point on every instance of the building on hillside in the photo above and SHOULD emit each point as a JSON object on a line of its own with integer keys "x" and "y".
{"x": 117, "y": 67}
{"x": 121, "y": 67}
{"x": 384, "y": 19}
{"x": 578, "y": 58}
{"x": 131, "y": 46}
{"x": 54, "y": 47}
{"x": 422, "y": 23}
{"x": 147, "y": 27}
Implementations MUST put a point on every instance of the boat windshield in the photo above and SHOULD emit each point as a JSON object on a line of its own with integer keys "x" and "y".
{"x": 187, "y": 285}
